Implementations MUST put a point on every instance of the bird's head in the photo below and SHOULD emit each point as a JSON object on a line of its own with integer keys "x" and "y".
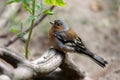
{"x": 57, "y": 23}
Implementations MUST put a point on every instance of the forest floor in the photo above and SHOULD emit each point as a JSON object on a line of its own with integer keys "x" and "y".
{"x": 95, "y": 21}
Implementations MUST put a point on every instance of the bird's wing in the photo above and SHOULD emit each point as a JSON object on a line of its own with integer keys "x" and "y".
{"x": 79, "y": 43}
{"x": 75, "y": 41}
{"x": 63, "y": 37}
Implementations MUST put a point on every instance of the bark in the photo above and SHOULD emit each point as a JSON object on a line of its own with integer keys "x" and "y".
{"x": 43, "y": 66}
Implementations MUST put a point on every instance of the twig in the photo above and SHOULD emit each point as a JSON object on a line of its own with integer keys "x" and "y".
{"x": 15, "y": 38}
{"x": 30, "y": 32}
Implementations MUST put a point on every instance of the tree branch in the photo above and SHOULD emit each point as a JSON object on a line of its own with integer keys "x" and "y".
{"x": 4, "y": 69}
{"x": 68, "y": 66}
{"x": 11, "y": 57}
{"x": 47, "y": 63}
{"x": 15, "y": 38}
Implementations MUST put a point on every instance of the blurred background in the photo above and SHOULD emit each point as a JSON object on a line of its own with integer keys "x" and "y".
{"x": 97, "y": 22}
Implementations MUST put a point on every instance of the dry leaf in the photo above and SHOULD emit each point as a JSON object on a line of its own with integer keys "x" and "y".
{"x": 95, "y": 6}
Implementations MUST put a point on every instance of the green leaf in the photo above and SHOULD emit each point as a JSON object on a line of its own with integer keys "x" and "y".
{"x": 60, "y": 3}
{"x": 30, "y": 18}
{"x": 55, "y": 2}
{"x": 20, "y": 35}
{"x": 17, "y": 0}
{"x": 27, "y": 7}
{"x": 48, "y": 12}
{"x": 12, "y": 1}
{"x": 39, "y": 6}
{"x": 26, "y": 1}
{"x": 14, "y": 30}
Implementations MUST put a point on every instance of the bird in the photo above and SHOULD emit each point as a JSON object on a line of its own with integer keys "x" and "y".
{"x": 65, "y": 39}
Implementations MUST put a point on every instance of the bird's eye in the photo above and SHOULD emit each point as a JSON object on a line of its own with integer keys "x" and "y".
{"x": 57, "y": 24}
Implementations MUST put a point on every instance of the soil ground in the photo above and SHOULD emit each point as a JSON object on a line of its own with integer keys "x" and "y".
{"x": 95, "y": 21}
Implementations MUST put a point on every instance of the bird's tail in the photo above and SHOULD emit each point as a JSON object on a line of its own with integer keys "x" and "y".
{"x": 99, "y": 60}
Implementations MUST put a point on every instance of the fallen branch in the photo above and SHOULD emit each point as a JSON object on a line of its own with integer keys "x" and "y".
{"x": 47, "y": 63}
{"x": 68, "y": 66}
{"x": 5, "y": 69}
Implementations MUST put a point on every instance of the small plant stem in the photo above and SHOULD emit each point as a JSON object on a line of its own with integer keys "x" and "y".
{"x": 30, "y": 32}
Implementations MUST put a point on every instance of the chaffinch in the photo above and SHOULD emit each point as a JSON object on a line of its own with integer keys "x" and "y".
{"x": 63, "y": 38}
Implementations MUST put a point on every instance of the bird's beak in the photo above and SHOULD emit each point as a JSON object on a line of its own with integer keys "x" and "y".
{"x": 52, "y": 23}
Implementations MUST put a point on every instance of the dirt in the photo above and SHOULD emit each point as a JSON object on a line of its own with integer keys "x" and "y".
{"x": 95, "y": 21}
